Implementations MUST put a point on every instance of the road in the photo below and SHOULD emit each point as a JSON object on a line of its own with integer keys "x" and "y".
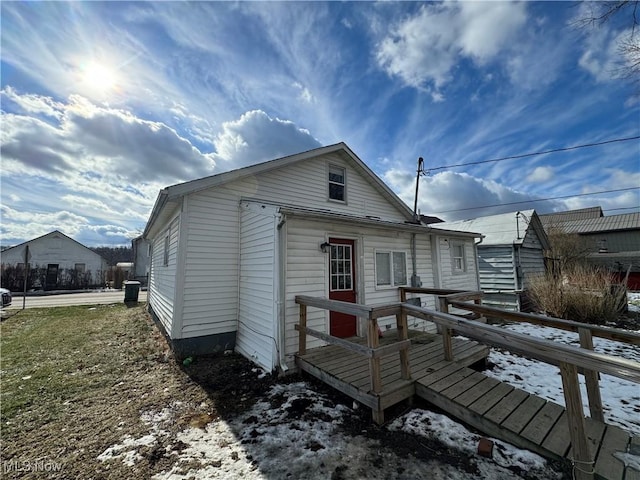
{"x": 68, "y": 299}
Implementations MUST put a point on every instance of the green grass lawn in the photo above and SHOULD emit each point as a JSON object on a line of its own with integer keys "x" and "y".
{"x": 52, "y": 355}
{"x": 71, "y": 377}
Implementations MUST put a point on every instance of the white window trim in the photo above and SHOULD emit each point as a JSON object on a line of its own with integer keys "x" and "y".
{"x": 344, "y": 169}
{"x": 165, "y": 252}
{"x": 375, "y": 268}
{"x": 454, "y": 269}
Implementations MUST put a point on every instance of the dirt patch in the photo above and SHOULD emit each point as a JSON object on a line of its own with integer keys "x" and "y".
{"x": 99, "y": 392}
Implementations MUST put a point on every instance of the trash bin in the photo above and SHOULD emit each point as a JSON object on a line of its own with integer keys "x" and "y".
{"x": 131, "y": 290}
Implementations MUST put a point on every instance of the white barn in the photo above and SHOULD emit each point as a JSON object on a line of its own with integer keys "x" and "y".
{"x": 511, "y": 252}
{"x": 230, "y": 252}
{"x": 61, "y": 260}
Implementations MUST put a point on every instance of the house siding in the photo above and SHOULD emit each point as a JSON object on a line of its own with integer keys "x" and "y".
{"x": 56, "y": 248}
{"x": 310, "y": 179}
{"x": 210, "y": 302}
{"x": 467, "y": 280}
{"x": 307, "y": 270}
{"x": 496, "y": 268}
{"x": 256, "y": 335}
{"x": 162, "y": 277}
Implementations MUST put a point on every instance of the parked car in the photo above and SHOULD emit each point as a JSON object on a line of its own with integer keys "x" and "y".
{"x": 6, "y": 297}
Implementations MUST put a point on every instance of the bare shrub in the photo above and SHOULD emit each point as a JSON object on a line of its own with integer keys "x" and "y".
{"x": 583, "y": 294}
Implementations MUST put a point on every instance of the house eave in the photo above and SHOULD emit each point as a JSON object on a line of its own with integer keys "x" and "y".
{"x": 330, "y": 216}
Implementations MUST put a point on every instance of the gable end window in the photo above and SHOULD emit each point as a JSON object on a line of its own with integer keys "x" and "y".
{"x": 337, "y": 183}
{"x": 391, "y": 269}
{"x": 458, "y": 260}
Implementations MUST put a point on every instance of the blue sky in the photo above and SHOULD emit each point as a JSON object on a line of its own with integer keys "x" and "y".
{"x": 103, "y": 104}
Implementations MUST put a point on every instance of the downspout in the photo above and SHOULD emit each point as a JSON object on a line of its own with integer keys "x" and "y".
{"x": 415, "y": 279}
{"x": 280, "y": 268}
{"x": 475, "y": 254}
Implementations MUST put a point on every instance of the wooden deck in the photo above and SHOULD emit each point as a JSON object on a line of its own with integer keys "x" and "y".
{"x": 349, "y": 372}
{"x": 525, "y": 420}
{"x": 497, "y": 409}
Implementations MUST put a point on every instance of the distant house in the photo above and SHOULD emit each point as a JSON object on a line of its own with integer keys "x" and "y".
{"x": 230, "y": 252}
{"x": 54, "y": 261}
{"x": 140, "y": 249}
{"x": 613, "y": 240}
{"x": 511, "y": 252}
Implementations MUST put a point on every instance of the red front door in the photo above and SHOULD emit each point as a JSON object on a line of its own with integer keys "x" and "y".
{"x": 342, "y": 285}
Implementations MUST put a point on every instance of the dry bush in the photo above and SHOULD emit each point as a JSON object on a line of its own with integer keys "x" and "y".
{"x": 582, "y": 294}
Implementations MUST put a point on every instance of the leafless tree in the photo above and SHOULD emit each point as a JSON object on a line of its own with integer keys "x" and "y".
{"x": 599, "y": 13}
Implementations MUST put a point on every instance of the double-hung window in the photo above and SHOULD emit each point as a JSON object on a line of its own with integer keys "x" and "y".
{"x": 391, "y": 269}
{"x": 337, "y": 183}
{"x": 458, "y": 263}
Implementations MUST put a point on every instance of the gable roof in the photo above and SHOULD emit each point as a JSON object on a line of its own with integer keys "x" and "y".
{"x": 58, "y": 232}
{"x": 503, "y": 229}
{"x": 168, "y": 196}
{"x": 611, "y": 223}
{"x": 570, "y": 215}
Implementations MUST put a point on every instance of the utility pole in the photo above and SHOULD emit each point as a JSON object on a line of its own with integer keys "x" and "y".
{"x": 416, "y": 217}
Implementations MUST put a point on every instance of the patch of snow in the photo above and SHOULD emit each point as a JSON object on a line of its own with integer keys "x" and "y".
{"x": 296, "y": 432}
{"x": 620, "y": 398}
{"x": 127, "y": 449}
{"x": 629, "y": 459}
{"x": 437, "y": 426}
{"x": 633, "y": 301}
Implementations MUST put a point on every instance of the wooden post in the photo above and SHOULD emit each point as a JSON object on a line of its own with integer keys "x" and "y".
{"x": 374, "y": 367}
{"x": 403, "y": 295}
{"x": 591, "y": 379}
{"x": 446, "y": 332}
{"x": 403, "y": 334}
{"x": 582, "y": 458}
{"x": 302, "y": 333}
{"x": 374, "y": 363}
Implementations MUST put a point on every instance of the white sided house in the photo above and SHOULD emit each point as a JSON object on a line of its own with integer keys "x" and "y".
{"x": 230, "y": 252}
{"x": 56, "y": 261}
{"x": 511, "y": 253}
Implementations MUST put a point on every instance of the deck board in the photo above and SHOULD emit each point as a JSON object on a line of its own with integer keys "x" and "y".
{"x": 615, "y": 440}
{"x": 631, "y": 473}
{"x": 493, "y": 396}
{"x": 522, "y": 415}
{"x": 539, "y": 428}
{"x": 495, "y": 408}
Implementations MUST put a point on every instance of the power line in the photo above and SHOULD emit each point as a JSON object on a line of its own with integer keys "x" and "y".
{"x": 619, "y": 208}
{"x": 524, "y": 155}
{"x": 539, "y": 200}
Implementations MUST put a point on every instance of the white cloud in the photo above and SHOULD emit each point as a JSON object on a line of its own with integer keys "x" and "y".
{"x": 426, "y": 47}
{"x": 112, "y": 142}
{"x": 541, "y": 174}
{"x": 451, "y": 195}
{"x": 257, "y": 137}
{"x": 305, "y": 95}
{"x": 31, "y": 103}
{"x": 601, "y": 56}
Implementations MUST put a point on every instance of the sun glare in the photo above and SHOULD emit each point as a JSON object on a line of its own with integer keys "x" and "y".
{"x": 99, "y": 77}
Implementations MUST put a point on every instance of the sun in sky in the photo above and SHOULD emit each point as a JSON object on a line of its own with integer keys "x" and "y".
{"x": 99, "y": 78}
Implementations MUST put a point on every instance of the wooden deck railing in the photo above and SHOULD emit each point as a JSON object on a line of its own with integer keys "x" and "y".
{"x": 568, "y": 358}
{"x": 373, "y": 351}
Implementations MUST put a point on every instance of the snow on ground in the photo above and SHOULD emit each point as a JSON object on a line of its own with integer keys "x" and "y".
{"x": 297, "y": 432}
{"x": 620, "y": 398}
{"x": 633, "y": 301}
